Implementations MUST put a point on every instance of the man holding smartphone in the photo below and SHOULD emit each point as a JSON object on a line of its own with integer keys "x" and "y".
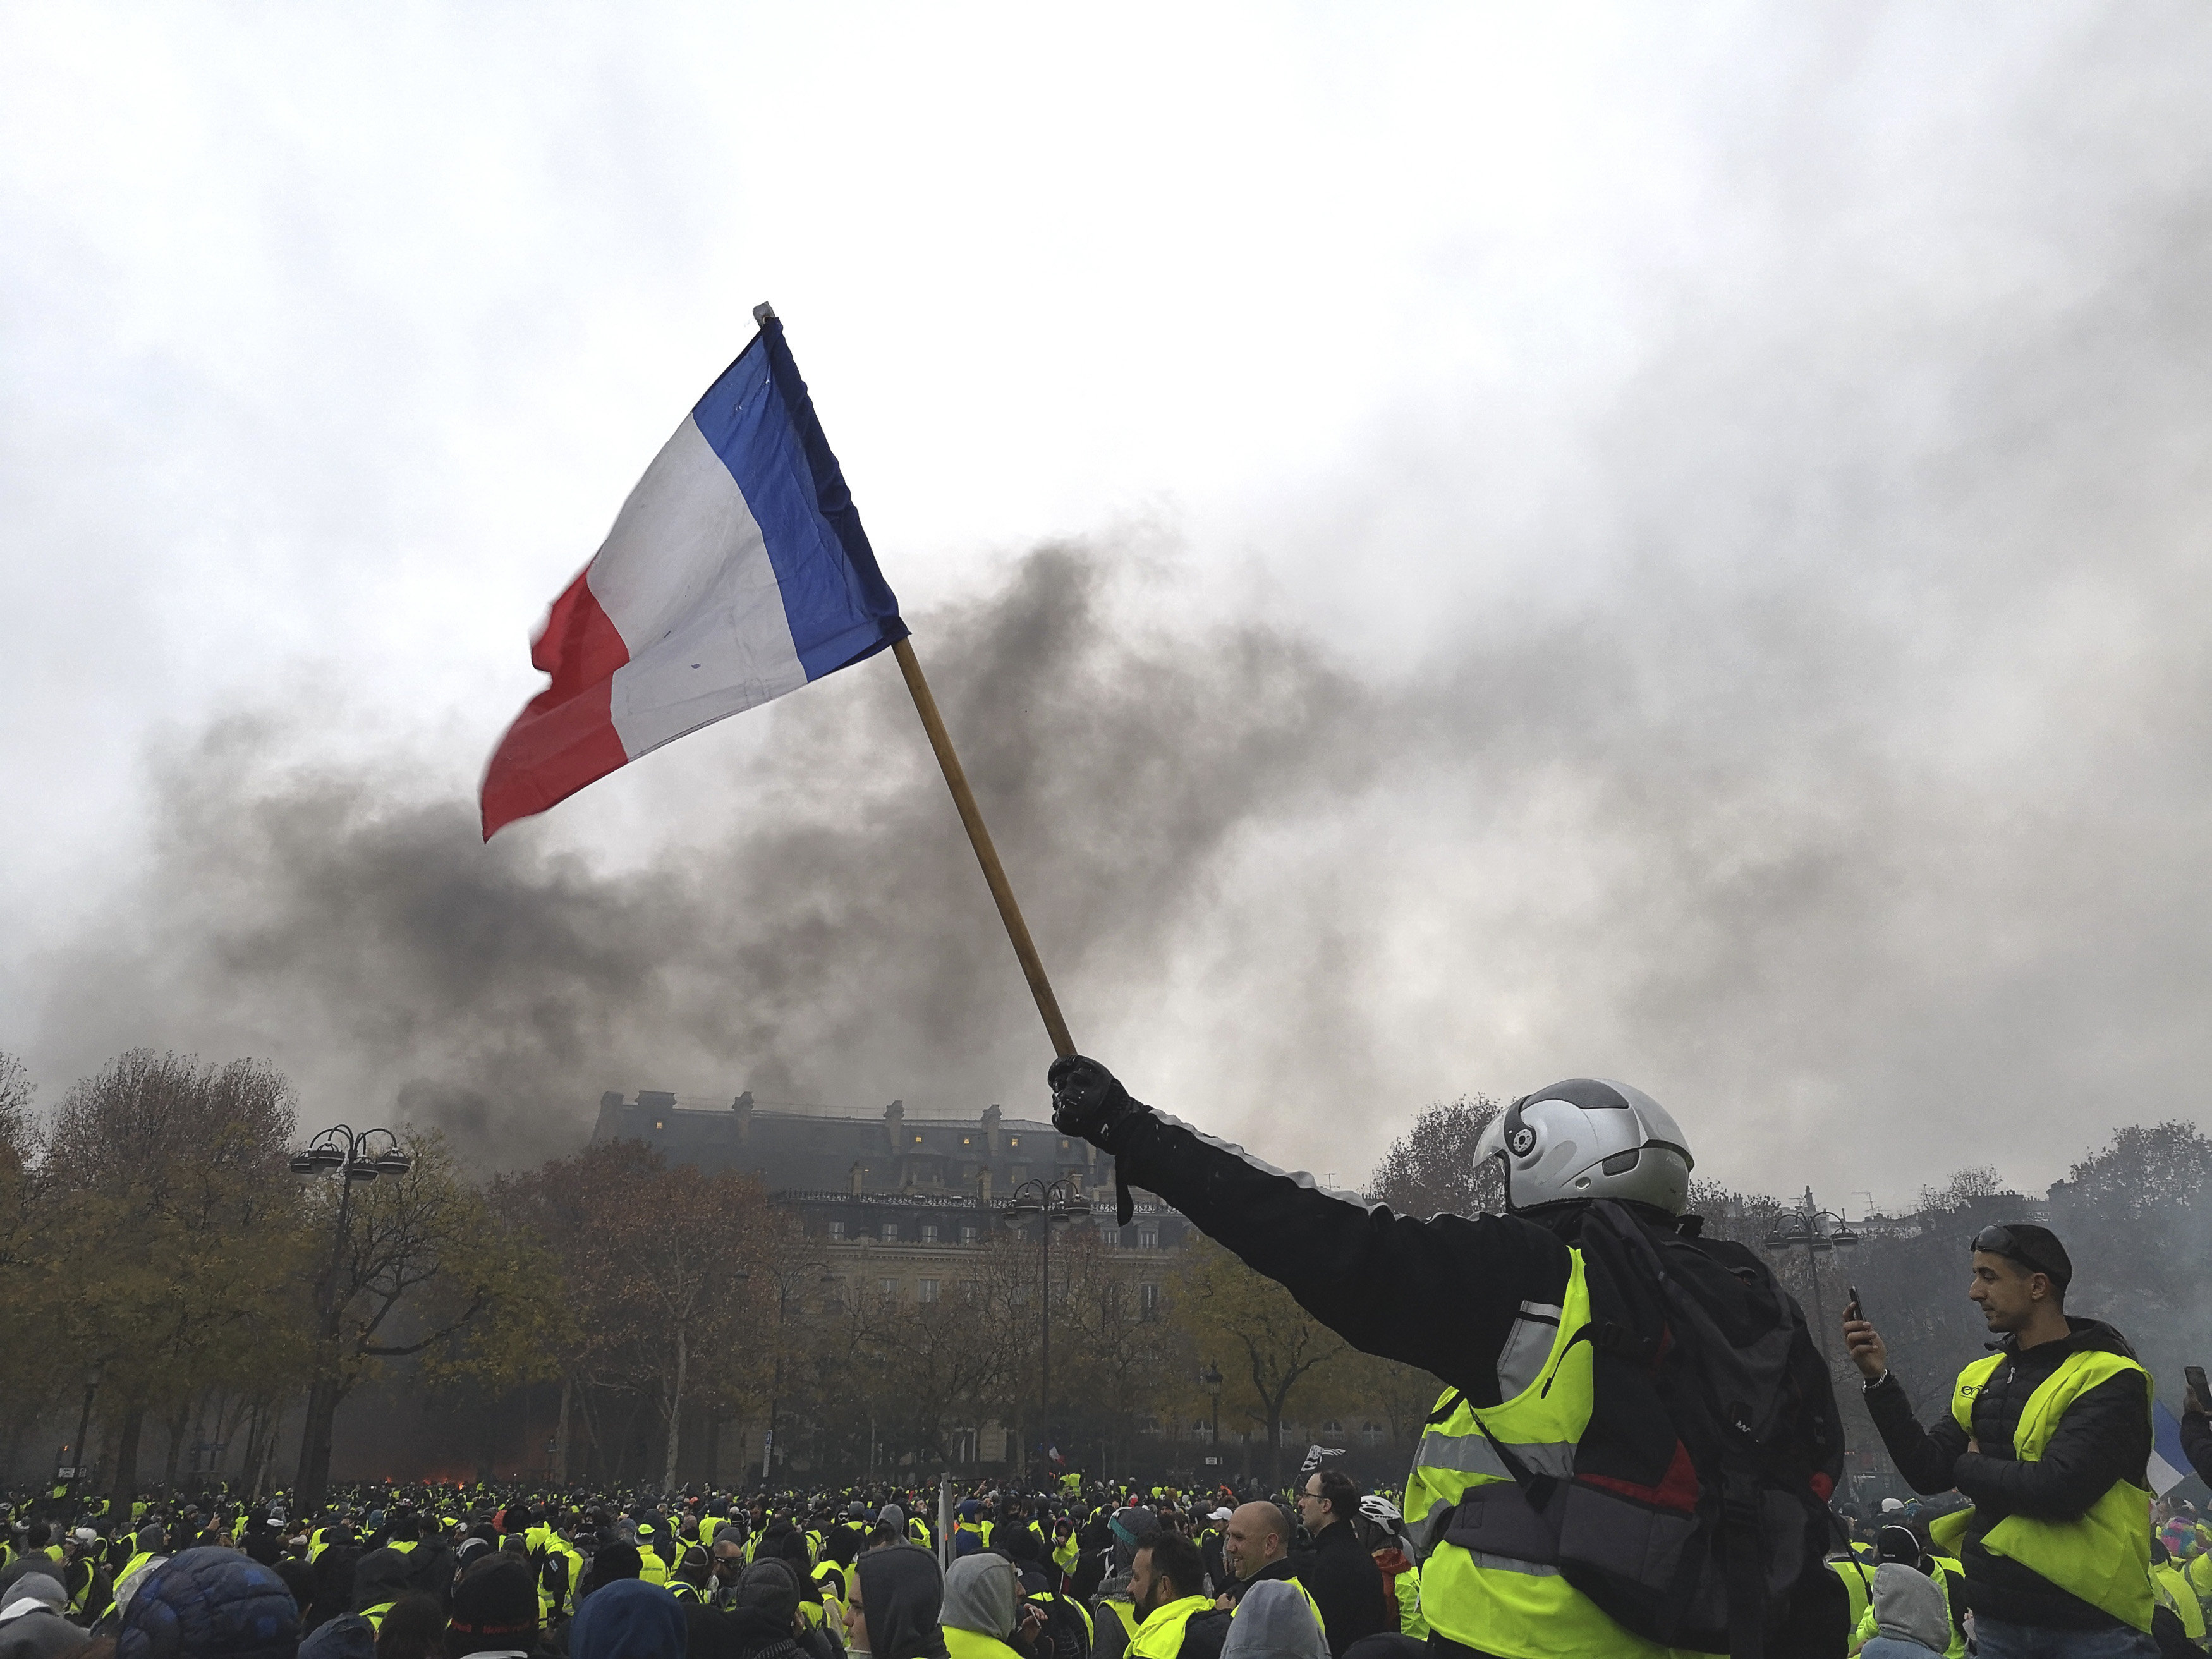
{"x": 2050, "y": 1436}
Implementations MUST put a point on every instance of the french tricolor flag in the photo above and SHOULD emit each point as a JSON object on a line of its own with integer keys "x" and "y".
{"x": 737, "y": 571}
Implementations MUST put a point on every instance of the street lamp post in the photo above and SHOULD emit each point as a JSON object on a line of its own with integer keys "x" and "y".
{"x": 79, "y": 1464}
{"x": 1057, "y": 1203}
{"x": 1817, "y": 1232}
{"x": 1209, "y": 1380}
{"x": 355, "y": 1156}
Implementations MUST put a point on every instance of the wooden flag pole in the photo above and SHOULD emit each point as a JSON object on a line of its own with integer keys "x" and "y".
{"x": 994, "y": 874}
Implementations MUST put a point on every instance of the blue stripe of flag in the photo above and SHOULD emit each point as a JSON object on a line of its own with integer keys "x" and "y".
{"x": 758, "y": 417}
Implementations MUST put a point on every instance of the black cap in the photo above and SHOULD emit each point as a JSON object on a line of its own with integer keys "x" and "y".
{"x": 2035, "y": 1248}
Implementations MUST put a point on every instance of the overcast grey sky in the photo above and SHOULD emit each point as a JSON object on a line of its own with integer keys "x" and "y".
{"x": 1657, "y": 542}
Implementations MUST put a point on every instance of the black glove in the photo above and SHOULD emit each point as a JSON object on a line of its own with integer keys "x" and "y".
{"x": 1088, "y": 1101}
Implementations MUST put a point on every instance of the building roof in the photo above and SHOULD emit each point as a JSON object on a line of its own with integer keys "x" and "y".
{"x": 804, "y": 1151}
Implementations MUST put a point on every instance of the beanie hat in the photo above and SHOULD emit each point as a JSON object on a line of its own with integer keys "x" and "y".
{"x": 770, "y": 1588}
{"x": 617, "y": 1561}
{"x": 497, "y": 1596}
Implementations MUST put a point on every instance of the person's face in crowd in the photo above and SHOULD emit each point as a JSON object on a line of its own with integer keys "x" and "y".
{"x": 1144, "y": 1585}
{"x": 729, "y": 1561}
{"x": 856, "y": 1618}
{"x": 1311, "y": 1508}
{"x": 2008, "y": 1294}
{"x": 1254, "y": 1538}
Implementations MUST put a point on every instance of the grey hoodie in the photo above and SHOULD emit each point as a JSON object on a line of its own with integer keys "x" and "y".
{"x": 981, "y": 1592}
{"x": 39, "y": 1631}
{"x": 1910, "y": 1615}
{"x": 1272, "y": 1621}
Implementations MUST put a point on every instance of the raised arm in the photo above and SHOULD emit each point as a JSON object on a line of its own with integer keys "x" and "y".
{"x": 1440, "y": 1293}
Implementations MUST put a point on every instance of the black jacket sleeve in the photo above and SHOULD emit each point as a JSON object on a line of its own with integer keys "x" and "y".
{"x": 1925, "y": 1457}
{"x": 2196, "y": 1443}
{"x": 1441, "y": 1293}
{"x": 2105, "y": 1436}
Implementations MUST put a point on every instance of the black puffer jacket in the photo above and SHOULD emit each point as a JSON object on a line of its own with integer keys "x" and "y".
{"x": 2105, "y": 1436}
{"x": 209, "y": 1604}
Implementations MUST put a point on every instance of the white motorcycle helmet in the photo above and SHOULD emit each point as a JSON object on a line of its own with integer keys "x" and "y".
{"x": 1590, "y": 1138}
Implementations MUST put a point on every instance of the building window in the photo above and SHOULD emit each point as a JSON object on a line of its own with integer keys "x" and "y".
{"x": 1013, "y": 1140}
{"x": 837, "y": 1231}
{"x": 1148, "y": 1299}
{"x": 887, "y": 1289}
{"x": 1148, "y": 1238}
{"x": 970, "y": 1289}
{"x": 929, "y": 1232}
{"x": 889, "y": 1234}
{"x": 926, "y": 1291}
{"x": 1109, "y": 1234}
{"x": 968, "y": 1232}
{"x": 658, "y": 1124}
{"x": 1371, "y": 1434}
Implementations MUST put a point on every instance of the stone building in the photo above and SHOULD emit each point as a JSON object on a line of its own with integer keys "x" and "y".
{"x": 898, "y": 1206}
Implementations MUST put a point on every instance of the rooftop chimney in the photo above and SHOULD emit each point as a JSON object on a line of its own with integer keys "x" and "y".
{"x": 743, "y": 1106}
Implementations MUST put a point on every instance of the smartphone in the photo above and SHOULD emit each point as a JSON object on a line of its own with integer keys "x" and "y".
{"x": 1854, "y": 1311}
{"x": 2195, "y": 1374}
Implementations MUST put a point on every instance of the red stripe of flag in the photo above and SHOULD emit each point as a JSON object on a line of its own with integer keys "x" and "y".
{"x": 565, "y": 738}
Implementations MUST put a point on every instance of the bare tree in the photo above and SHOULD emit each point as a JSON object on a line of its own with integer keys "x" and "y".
{"x": 1430, "y": 1169}
{"x": 1275, "y": 1346}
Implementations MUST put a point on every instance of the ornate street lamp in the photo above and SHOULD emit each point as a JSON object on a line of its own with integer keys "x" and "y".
{"x": 358, "y": 1156}
{"x": 1060, "y": 1203}
{"x": 1817, "y": 1232}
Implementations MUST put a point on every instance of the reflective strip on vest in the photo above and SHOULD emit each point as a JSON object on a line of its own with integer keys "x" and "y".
{"x": 1498, "y": 1604}
{"x": 1473, "y": 1454}
{"x": 2104, "y": 1555}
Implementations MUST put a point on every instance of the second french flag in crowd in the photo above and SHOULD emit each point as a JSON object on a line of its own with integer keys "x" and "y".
{"x": 736, "y": 571}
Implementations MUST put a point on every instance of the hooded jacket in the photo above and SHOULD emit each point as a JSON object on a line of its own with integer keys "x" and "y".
{"x": 2105, "y": 1436}
{"x": 982, "y": 1594}
{"x": 1911, "y": 1619}
{"x": 31, "y": 1622}
{"x": 902, "y": 1592}
{"x": 380, "y": 1578}
{"x": 1272, "y": 1621}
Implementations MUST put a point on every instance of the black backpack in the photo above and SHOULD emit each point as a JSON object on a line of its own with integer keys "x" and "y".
{"x": 1698, "y": 1502}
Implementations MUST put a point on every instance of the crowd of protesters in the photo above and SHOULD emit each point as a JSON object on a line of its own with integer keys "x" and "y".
{"x": 431, "y": 1572}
